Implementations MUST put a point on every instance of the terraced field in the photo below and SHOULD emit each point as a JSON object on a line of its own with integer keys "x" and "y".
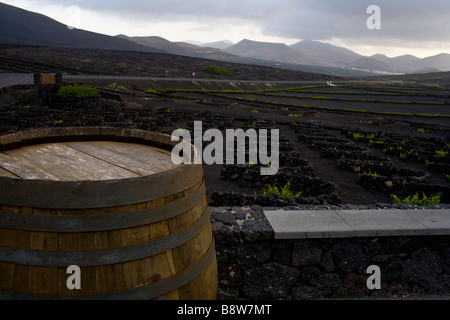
{"x": 358, "y": 143}
{"x": 394, "y": 100}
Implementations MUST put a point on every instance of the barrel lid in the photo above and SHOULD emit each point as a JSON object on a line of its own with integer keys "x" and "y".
{"x": 89, "y": 168}
{"x": 84, "y": 161}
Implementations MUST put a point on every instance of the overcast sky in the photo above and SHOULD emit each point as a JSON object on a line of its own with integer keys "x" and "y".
{"x": 418, "y": 27}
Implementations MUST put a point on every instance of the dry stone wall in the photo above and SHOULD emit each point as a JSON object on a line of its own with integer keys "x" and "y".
{"x": 253, "y": 265}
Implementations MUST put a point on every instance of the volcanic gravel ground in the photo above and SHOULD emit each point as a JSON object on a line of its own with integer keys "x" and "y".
{"x": 131, "y": 107}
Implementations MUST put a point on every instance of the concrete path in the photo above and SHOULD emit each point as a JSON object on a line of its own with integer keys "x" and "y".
{"x": 10, "y": 79}
{"x": 358, "y": 223}
{"x": 117, "y": 78}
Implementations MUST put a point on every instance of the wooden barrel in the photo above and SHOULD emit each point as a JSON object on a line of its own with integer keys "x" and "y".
{"x": 109, "y": 201}
{"x": 51, "y": 78}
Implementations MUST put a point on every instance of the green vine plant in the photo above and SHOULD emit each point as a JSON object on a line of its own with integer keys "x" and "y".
{"x": 442, "y": 153}
{"x": 249, "y": 164}
{"x": 370, "y": 173}
{"x": 78, "y": 90}
{"x": 416, "y": 200}
{"x": 282, "y": 192}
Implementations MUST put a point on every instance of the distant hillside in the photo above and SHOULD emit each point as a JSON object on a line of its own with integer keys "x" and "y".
{"x": 218, "y": 44}
{"x": 411, "y": 64}
{"x": 370, "y": 64}
{"x": 264, "y": 54}
{"x": 25, "y": 59}
{"x": 180, "y": 48}
{"x": 322, "y": 56}
{"x": 325, "y": 54}
{"x": 278, "y": 52}
{"x": 22, "y": 27}
{"x": 441, "y": 62}
{"x": 405, "y": 63}
{"x": 319, "y": 54}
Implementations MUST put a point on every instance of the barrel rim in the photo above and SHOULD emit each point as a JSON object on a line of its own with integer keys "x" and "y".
{"x": 52, "y": 194}
{"x": 103, "y": 221}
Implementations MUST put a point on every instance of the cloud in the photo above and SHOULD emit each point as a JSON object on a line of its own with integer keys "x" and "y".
{"x": 411, "y": 20}
{"x": 412, "y": 23}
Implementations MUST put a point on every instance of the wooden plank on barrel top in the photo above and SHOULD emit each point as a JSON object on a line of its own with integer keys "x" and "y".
{"x": 69, "y": 164}
{"x": 24, "y": 169}
{"x": 137, "y": 158}
{"x": 6, "y": 173}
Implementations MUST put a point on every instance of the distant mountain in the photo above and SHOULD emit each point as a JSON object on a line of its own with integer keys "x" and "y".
{"x": 405, "y": 63}
{"x": 18, "y": 26}
{"x": 278, "y": 52}
{"x": 218, "y": 45}
{"x": 160, "y": 43}
{"x": 440, "y": 62}
{"x": 271, "y": 58}
{"x": 22, "y": 27}
{"x": 372, "y": 65}
{"x": 311, "y": 53}
{"x": 179, "y": 48}
{"x": 194, "y": 42}
{"x": 325, "y": 54}
{"x": 411, "y": 64}
{"x": 328, "y": 55}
